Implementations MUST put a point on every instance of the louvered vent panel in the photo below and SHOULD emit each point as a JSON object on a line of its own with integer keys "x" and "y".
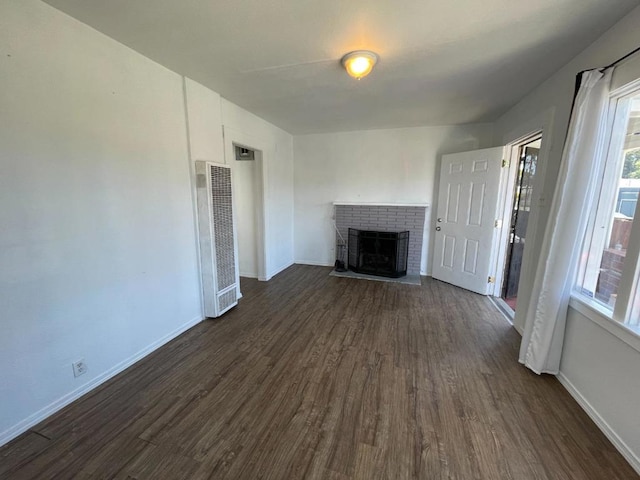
{"x": 227, "y": 299}
{"x": 222, "y": 213}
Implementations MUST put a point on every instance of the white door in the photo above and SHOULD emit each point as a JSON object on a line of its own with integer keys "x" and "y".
{"x": 466, "y": 218}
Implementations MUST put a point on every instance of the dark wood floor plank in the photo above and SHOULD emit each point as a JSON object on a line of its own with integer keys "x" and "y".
{"x": 21, "y": 451}
{"x": 317, "y": 377}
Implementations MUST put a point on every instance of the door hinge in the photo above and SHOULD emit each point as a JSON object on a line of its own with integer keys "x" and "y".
{"x": 505, "y": 163}
{"x": 491, "y": 279}
{"x": 497, "y": 223}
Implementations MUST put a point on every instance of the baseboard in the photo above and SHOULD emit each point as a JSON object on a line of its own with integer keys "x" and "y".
{"x": 613, "y": 437}
{"x": 42, "y": 414}
{"x": 278, "y": 270}
{"x": 502, "y": 307}
{"x": 314, "y": 263}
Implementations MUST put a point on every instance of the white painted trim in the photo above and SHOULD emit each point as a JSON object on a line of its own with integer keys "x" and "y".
{"x": 373, "y": 204}
{"x": 503, "y": 307}
{"x": 496, "y": 301}
{"x": 60, "y": 403}
{"x": 314, "y": 263}
{"x": 603, "y": 318}
{"x": 508, "y": 178}
{"x": 613, "y": 437}
{"x": 194, "y": 193}
{"x": 543, "y": 122}
{"x": 265, "y": 152}
{"x": 505, "y": 208}
{"x": 280, "y": 269}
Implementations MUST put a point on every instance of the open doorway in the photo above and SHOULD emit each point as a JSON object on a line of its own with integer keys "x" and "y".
{"x": 488, "y": 202}
{"x": 247, "y": 155}
{"x": 244, "y": 184}
{"x": 525, "y": 156}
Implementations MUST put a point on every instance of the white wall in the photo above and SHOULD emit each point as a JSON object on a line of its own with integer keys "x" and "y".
{"x": 277, "y": 155}
{"x": 386, "y": 166}
{"x": 604, "y": 372}
{"x": 601, "y": 367}
{"x": 246, "y": 202}
{"x": 98, "y": 251}
{"x": 97, "y": 246}
{"x": 204, "y": 112}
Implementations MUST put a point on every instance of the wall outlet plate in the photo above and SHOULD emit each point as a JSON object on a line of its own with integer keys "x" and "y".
{"x": 79, "y": 367}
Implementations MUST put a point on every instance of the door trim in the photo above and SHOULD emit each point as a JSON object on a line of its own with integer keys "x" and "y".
{"x": 507, "y": 183}
{"x": 263, "y": 154}
{"x": 543, "y": 121}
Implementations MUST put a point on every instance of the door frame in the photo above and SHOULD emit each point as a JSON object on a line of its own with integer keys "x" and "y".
{"x": 507, "y": 190}
{"x": 233, "y": 138}
{"x": 542, "y": 121}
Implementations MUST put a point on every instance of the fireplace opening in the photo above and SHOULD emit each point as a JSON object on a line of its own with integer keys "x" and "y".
{"x": 378, "y": 253}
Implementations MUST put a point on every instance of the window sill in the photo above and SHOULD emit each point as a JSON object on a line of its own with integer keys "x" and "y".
{"x": 602, "y": 317}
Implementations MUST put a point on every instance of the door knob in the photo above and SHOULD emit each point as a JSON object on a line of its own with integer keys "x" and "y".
{"x": 438, "y": 229}
{"x": 439, "y": 220}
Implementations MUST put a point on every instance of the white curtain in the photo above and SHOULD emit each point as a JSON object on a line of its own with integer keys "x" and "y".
{"x": 582, "y": 158}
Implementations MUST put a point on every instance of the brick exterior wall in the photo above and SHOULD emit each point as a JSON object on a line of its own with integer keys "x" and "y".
{"x": 610, "y": 273}
{"x": 385, "y": 218}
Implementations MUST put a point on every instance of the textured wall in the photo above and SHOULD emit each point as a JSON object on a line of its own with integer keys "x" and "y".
{"x": 386, "y": 219}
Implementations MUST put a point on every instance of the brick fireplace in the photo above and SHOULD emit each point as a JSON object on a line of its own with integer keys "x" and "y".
{"x": 385, "y": 218}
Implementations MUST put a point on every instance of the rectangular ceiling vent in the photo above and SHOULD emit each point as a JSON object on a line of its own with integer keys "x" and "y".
{"x": 244, "y": 154}
{"x": 217, "y": 235}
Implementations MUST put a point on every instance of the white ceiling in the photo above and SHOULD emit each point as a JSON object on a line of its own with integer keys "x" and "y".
{"x": 441, "y": 62}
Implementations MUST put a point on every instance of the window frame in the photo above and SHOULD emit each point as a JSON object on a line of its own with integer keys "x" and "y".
{"x": 626, "y": 311}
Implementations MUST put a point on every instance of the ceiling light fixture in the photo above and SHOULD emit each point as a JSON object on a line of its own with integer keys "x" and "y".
{"x": 359, "y": 64}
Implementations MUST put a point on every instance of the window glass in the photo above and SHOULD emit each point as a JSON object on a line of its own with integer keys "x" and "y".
{"x": 607, "y": 249}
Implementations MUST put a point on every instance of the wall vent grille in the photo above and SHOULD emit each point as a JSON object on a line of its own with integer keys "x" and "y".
{"x": 216, "y": 232}
{"x": 244, "y": 154}
{"x": 222, "y": 213}
{"x": 227, "y": 300}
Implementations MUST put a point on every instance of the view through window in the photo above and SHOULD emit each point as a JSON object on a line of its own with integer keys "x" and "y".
{"x": 607, "y": 256}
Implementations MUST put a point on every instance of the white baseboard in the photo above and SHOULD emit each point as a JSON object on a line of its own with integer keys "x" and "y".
{"x": 40, "y": 415}
{"x": 270, "y": 275}
{"x": 502, "y": 307}
{"x": 613, "y": 437}
{"x": 314, "y": 263}
{"x": 278, "y": 270}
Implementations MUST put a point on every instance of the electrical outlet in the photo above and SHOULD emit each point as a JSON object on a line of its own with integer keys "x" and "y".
{"x": 79, "y": 367}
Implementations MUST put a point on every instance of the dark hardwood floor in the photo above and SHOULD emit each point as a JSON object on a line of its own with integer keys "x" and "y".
{"x": 316, "y": 377}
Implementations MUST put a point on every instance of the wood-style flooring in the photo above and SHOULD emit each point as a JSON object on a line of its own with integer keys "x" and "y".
{"x": 317, "y": 377}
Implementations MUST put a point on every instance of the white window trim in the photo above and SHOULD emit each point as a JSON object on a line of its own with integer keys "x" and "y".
{"x": 616, "y": 320}
{"x": 600, "y": 219}
{"x": 602, "y": 317}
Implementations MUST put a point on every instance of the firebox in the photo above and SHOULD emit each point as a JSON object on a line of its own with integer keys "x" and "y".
{"x": 378, "y": 253}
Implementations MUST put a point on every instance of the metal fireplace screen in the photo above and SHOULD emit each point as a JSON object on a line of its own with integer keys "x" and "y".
{"x": 378, "y": 253}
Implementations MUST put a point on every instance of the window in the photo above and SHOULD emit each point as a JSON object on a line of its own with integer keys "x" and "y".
{"x": 609, "y": 269}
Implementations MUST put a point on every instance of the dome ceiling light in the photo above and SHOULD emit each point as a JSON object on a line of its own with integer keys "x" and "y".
{"x": 359, "y": 64}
